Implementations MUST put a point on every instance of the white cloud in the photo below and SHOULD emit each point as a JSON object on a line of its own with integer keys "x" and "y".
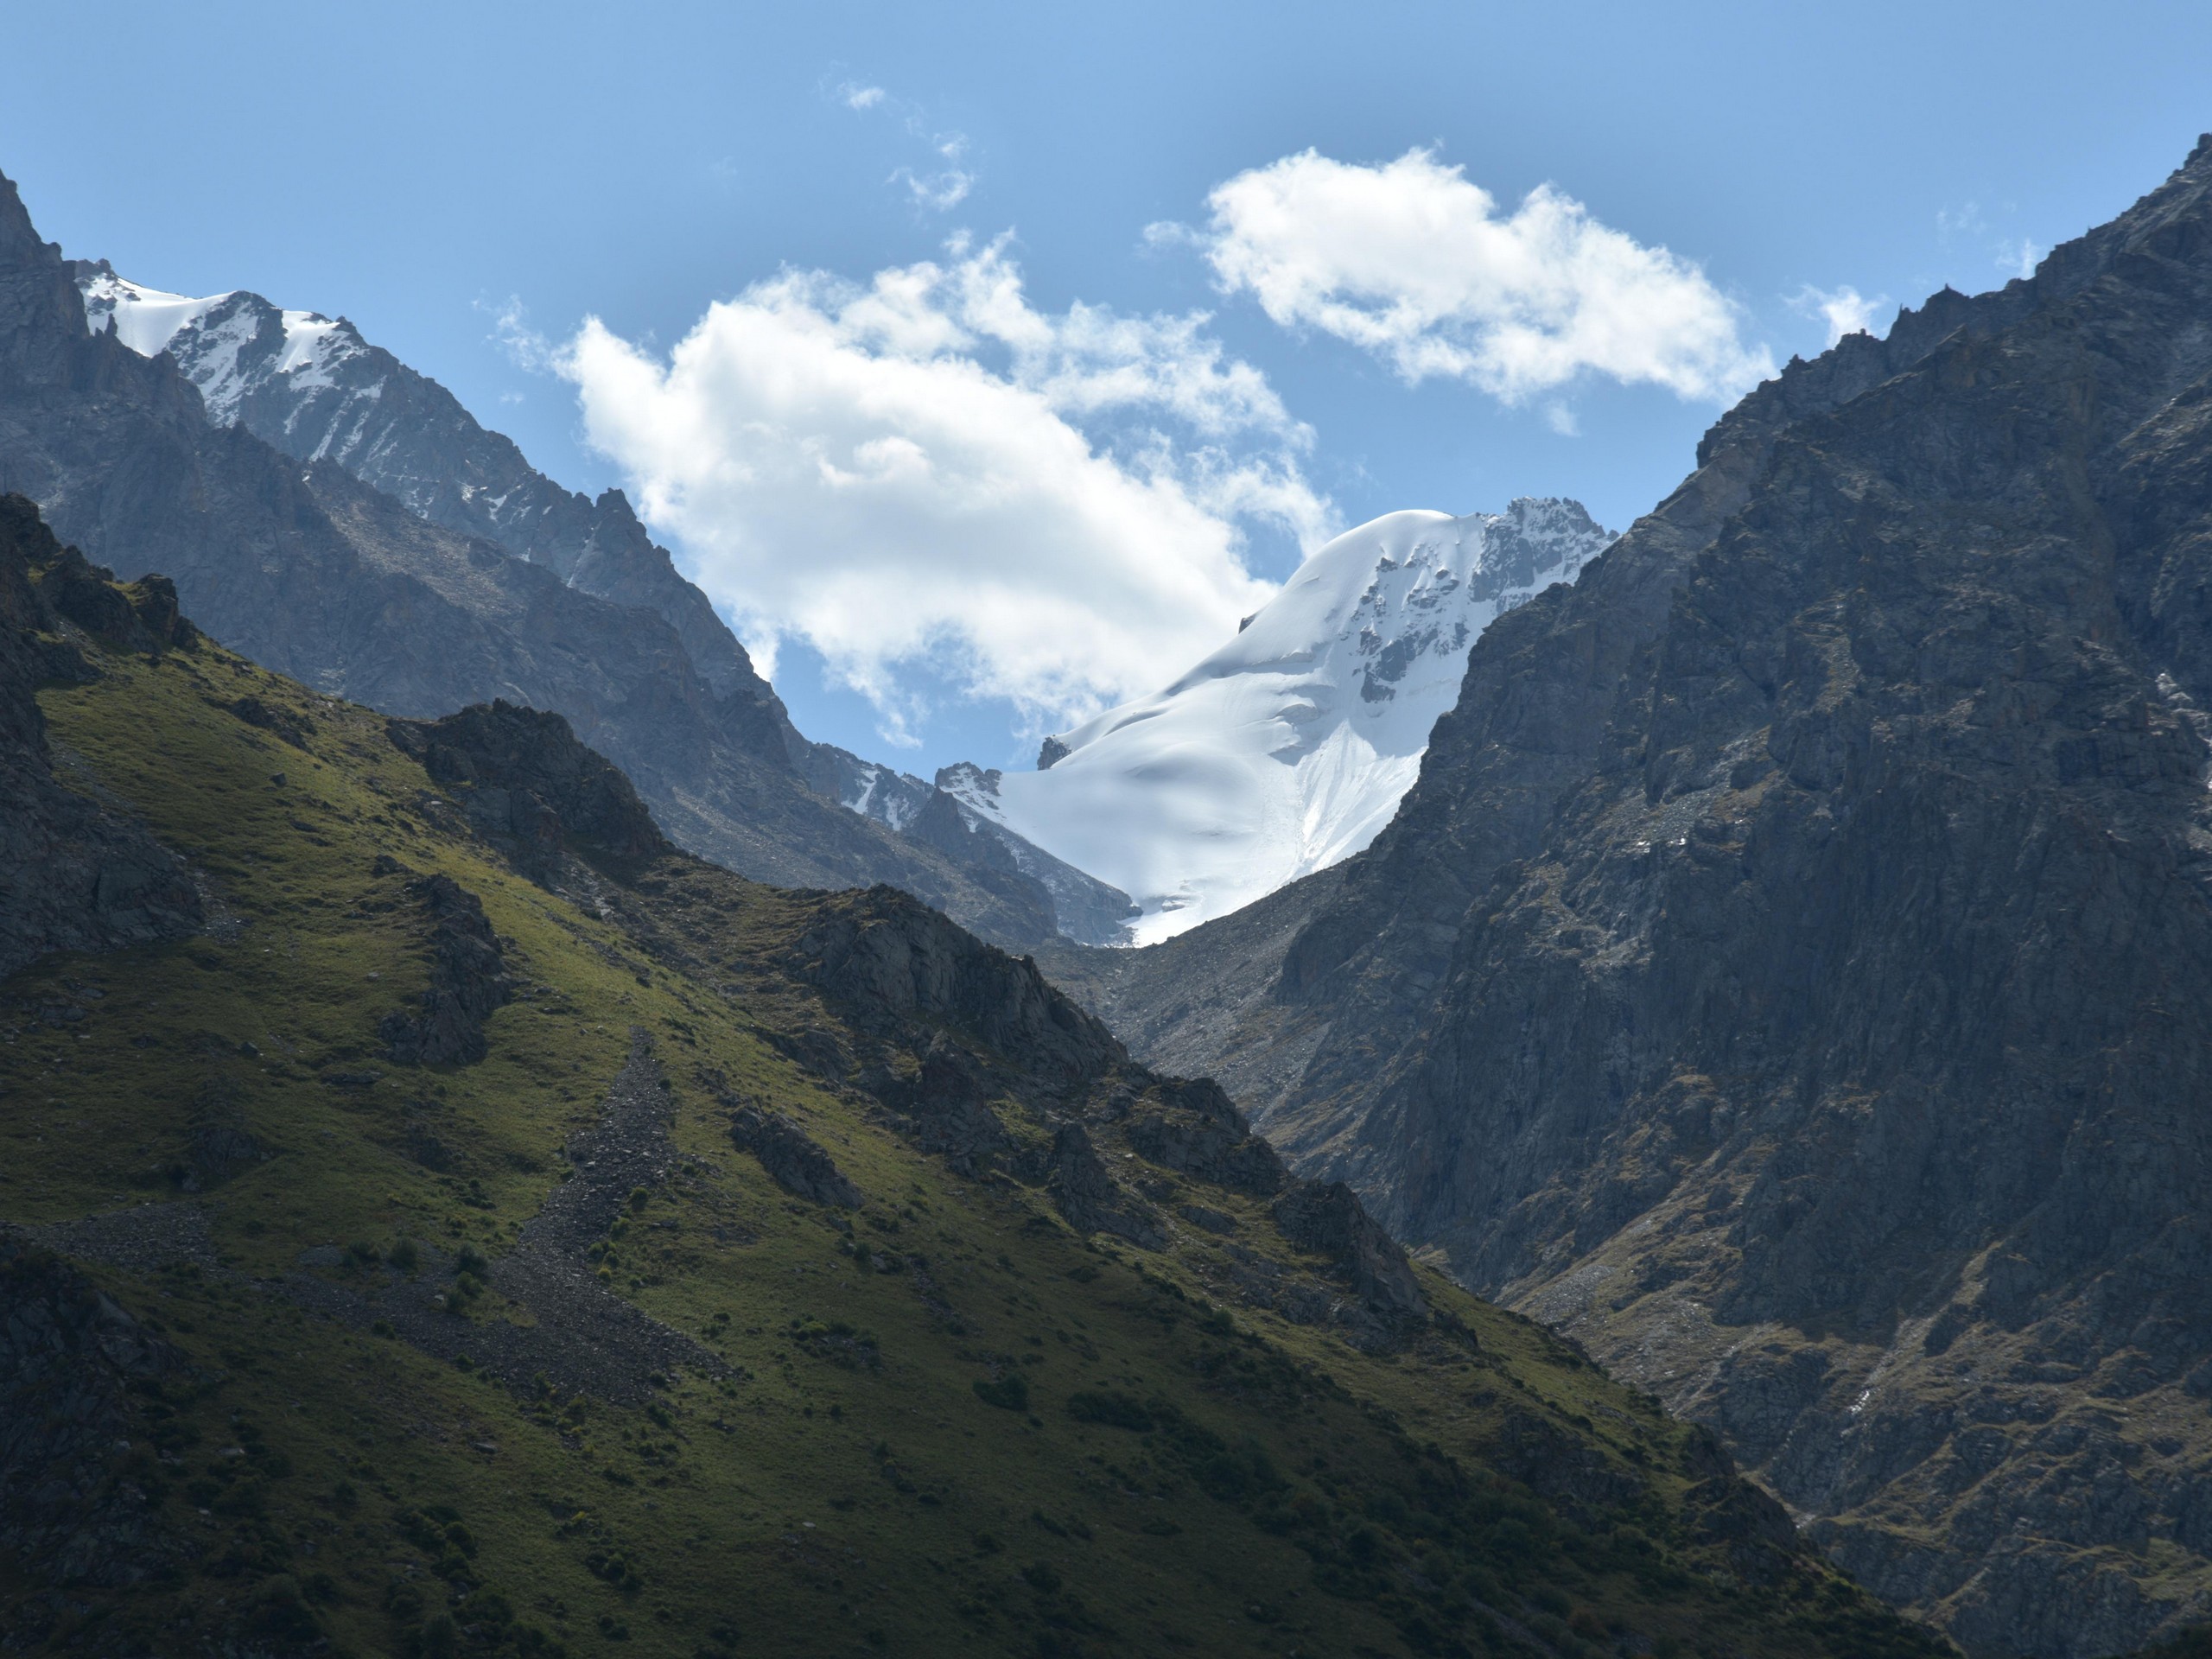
{"x": 1419, "y": 266}
{"x": 947, "y": 187}
{"x": 942, "y": 184}
{"x": 930, "y": 470}
{"x": 1845, "y": 310}
{"x": 1964, "y": 222}
{"x": 2019, "y": 258}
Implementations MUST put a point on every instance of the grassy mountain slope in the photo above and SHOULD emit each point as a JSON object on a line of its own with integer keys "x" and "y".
{"x": 516, "y": 1342}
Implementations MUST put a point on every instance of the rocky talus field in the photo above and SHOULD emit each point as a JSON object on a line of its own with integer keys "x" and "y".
{"x": 1788, "y": 975}
{"x": 442, "y": 1217}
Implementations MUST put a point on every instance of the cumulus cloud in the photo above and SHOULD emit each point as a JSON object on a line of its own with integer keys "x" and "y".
{"x": 927, "y": 469}
{"x": 1845, "y": 310}
{"x": 1415, "y": 263}
{"x": 858, "y": 96}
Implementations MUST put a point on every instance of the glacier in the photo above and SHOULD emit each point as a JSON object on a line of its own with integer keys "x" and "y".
{"x": 1287, "y": 749}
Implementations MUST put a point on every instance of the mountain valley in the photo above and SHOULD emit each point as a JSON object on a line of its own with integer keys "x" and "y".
{"x": 1561, "y": 1093}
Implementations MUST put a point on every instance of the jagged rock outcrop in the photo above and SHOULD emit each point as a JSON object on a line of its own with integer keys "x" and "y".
{"x": 1781, "y": 976}
{"x": 1091, "y": 1199}
{"x": 1329, "y": 1219}
{"x": 468, "y": 981}
{"x": 530, "y": 788}
{"x": 73, "y": 876}
{"x": 1191, "y": 1126}
{"x": 885, "y": 953}
{"x": 943, "y": 1105}
{"x": 793, "y": 1158}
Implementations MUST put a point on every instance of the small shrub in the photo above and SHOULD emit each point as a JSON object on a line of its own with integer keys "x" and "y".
{"x": 1110, "y": 1407}
{"x": 1039, "y": 1576}
{"x": 1009, "y": 1393}
{"x": 405, "y": 1256}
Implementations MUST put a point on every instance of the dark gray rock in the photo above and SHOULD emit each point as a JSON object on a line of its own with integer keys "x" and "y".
{"x": 943, "y": 1105}
{"x": 73, "y": 1506}
{"x": 1192, "y": 1126}
{"x": 468, "y": 980}
{"x": 892, "y": 960}
{"x": 531, "y": 789}
{"x": 1330, "y": 1220}
{"x": 1091, "y": 1199}
{"x": 792, "y": 1158}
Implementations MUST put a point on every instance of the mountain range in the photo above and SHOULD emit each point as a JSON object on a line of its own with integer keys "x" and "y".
{"x": 341, "y": 517}
{"x": 1763, "y": 952}
{"x": 1302, "y": 732}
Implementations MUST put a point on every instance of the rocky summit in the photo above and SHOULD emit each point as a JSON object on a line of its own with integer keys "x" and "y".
{"x": 481, "y": 1228}
{"x": 1787, "y": 974}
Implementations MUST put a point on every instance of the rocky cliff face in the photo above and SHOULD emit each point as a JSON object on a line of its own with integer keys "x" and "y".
{"x": 1785, "y": 973}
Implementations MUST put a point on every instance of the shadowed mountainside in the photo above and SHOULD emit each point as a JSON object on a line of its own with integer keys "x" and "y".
{"x": 1785, "y": 974}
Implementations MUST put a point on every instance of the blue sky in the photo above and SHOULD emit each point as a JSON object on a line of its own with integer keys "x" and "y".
{"x": 422, "y": 169}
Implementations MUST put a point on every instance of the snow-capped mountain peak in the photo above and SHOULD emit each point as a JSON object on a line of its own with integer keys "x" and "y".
{"x": 1288, "y": 748}
{"x": 230, "y": 345}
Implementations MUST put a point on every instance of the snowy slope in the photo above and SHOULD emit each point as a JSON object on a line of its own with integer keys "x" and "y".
{"x": 1287, "y": 749}
{"x": 229, "y": 345}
